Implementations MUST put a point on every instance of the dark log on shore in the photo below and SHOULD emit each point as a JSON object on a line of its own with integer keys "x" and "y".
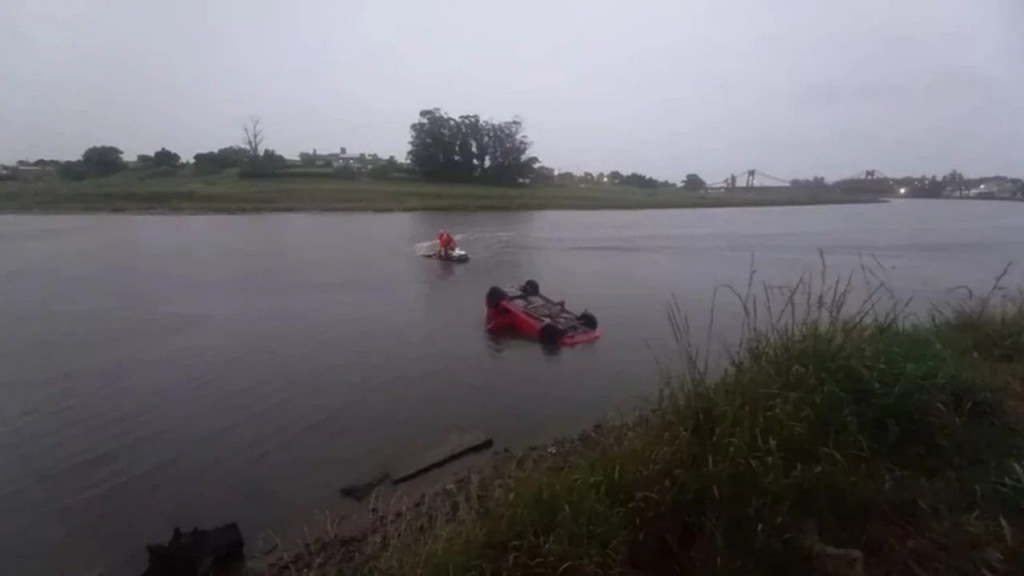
{"x": 196, "y": 553}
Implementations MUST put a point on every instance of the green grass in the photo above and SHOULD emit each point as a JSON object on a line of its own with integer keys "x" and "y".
{"x": 144, "y": 191}
{"x": 833, "y": 427}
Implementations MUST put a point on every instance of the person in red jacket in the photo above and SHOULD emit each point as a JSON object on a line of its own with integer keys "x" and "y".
{"x": 445, "y": 244}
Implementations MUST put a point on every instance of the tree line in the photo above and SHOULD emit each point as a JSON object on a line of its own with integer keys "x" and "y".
{"x": 467, "y": 149}
{"x": 442, "y": 148}
{"x": 952, "y": 184}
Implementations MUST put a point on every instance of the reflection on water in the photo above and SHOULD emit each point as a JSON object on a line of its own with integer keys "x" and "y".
{"x": 191, "y": 370}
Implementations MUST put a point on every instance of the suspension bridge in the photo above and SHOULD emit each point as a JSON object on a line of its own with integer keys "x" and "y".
{"x": 754, "y": 178}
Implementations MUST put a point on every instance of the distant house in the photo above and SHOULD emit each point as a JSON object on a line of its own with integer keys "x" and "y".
{"x": 341, "y": 158}
{"x": 997, "y": 188}
{"x": 23, "y": 171}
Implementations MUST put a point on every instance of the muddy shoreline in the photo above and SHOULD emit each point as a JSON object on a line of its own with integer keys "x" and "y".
{"x": 338, "y": 537}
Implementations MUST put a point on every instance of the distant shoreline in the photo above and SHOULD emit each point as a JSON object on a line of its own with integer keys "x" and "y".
{"x": 243, "y": 211}
{"x": 132, "y": 193}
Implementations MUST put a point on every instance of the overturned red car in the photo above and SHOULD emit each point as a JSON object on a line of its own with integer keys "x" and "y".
{"x": 531, "y": 314}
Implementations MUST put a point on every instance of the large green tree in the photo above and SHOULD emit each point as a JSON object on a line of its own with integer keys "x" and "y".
{"x": 103, "y": 160}
{"x": 466, "y": 148}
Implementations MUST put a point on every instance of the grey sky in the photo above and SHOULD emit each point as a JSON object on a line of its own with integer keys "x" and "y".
{"x": 793, "y": 87}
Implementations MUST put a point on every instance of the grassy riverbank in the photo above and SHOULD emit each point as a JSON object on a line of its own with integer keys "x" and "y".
{"x": 134, "y": 191}
{"x": 839, "y": 438}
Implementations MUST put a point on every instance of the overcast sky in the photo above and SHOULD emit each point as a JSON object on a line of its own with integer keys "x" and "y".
{"x": 664, "y": 87}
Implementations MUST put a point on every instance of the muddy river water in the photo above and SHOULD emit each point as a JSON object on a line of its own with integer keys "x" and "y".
{"x": 191, "y": 370}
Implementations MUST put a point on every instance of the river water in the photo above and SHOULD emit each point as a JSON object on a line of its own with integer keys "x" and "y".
{"x": 192, "y": 370}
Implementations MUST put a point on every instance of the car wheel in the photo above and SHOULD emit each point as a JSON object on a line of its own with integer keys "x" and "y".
{"x": 551, "y": 335}
{"x": 588, "y": 320}
{"x": 495, "y": 296}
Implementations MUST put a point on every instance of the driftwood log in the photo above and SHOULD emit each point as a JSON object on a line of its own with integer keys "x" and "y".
{"x": 196, "y": 553}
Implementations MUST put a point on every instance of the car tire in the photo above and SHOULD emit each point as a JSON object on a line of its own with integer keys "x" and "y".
{"x": 495, "y": 296}
{"x": 588, "y": 320}
{"x": 550, "y": 335}
{"x": 531, "y": 288}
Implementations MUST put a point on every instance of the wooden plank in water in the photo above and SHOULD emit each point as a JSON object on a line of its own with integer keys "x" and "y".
{"x": 455, "y": 447}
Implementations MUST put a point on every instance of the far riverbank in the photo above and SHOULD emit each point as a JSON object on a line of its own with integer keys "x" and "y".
{"x": 134, "y": 192}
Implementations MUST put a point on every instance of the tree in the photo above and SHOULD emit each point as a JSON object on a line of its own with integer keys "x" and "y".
{"x": 435, "y": 143}
{"x": 103, "y": 160}
{"x": 144, "y": 160}
{"x": 253, "y": 136}
{"x": 214, "y": 162}
{"x": 264, "y": 165}
{"x": 694, "y": 183}
{"x": 543, "y": 175}
{"x": 206, "y": 163}
{"x": 384, "y": 170}
{"x": 815, "y": 184}
{"x": 165, "y": 158}
{"x": 566, "y": 179}
{"x": 506, "y": 154}
{"x": 273, "y": 160}
{"x": 466, "y": 148}
{"x": 232, "y": 156}
{"x": 638, "y": 180}
{"x": 955, "y": 182}
{"x": 615, "y": 177}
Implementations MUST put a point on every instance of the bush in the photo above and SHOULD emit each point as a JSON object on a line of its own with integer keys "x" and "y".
{"x": 75, "y": 171}
{"x": 206, "y": 169}
{"x": 164, "y": 158}
{"x": 265, "y": 166}
{"x": 310, "y": 173}
{"x": 381, "y": 172}
{"x": 160, "y": 172}
{"x": 257, "y": 170}
{"x": 988, "y": 326}
{"x": 346, "y": 172}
